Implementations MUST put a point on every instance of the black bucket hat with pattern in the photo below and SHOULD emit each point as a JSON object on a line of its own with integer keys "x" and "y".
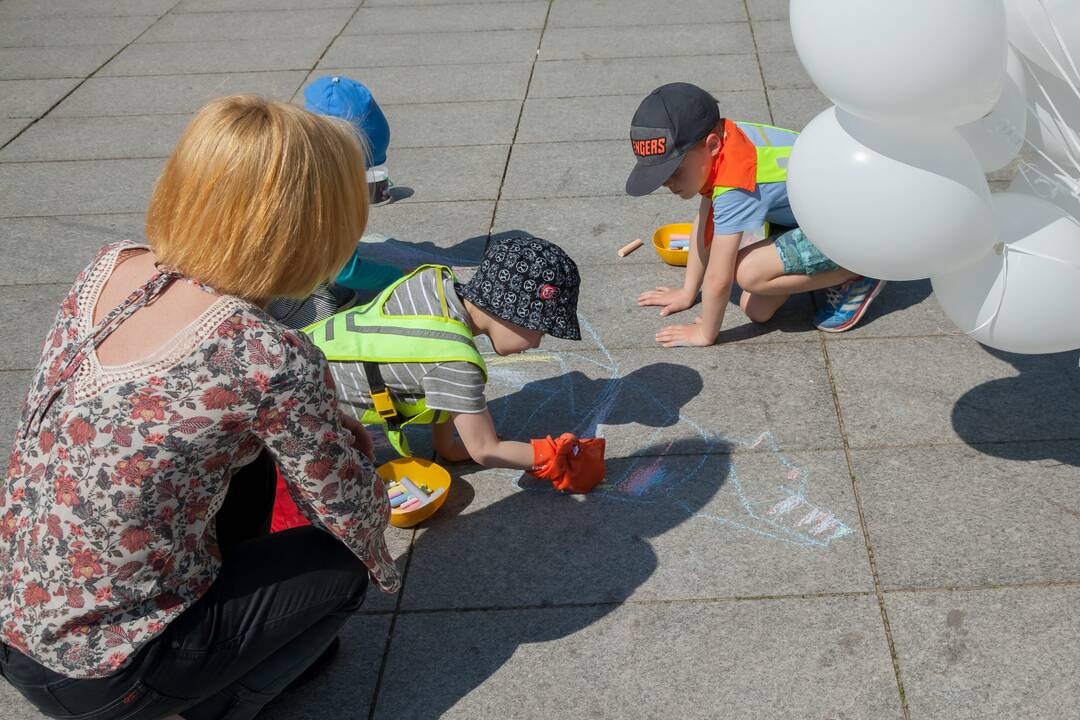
{"x": 528, "y": 282}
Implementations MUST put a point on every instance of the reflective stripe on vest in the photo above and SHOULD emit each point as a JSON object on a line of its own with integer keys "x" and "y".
{"x": 368, "y": 334}
{"x": 772, "y": 160}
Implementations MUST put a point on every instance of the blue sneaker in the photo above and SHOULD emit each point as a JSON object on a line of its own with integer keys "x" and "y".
{"x": 846, "y": 303}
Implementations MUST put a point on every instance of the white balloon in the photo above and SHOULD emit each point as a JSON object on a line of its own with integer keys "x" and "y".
{"x": 892, "y": 201}
{"x": 938, "y": 60}
{"x": 1025, "y": 303}
{"x": 1042, "y": 180}
{"x": 1030, "y": 30}
{"x": 998, "y": 137}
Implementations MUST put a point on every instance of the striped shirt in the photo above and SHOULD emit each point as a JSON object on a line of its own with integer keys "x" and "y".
{"x": 454, "y": 386}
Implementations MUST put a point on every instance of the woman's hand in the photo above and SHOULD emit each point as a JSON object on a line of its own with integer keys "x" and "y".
{"x": 361, "y": 438}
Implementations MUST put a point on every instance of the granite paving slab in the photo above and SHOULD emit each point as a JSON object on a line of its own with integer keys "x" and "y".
{"x": 425, "y": 230}
{"x": 783, "y": 70}
{"x": 607, "y": 13}
{"x": 777, "y": 659}
{"x": 794, "y": 108}
{"x": 31, "y": 98}
{"x": 33, "y": 63}
{"x": 773, "y": 36}
{"x": 202, "y": 27}
{"x": 572, "y": 43}
{"x": 349, "y": 682}
{"x": 592, "y": 230}
{"x": 171, "y": 94}
{"x": 71, "y": 241}
{"x": 217, "y": 56}
{"x": 27, "y": 312}
{"x": 639, "y": 76}
{"x": 60, "y": 9}
{"x": 661, "y": 527}
{"x": 983, "y": 515}
{"x": 768, "y": 9}
{"x": 782, "y": 393}
{"x": 189, "y": 6}
{"x": 450, "y": 124}
{"x": 1005, "y": 653}
{"x": 454, "y": 173}
{"x": 68, "y": 31}
{"x": 77, "y": 188}
{"x": 568, "y": 169}
{"x": 130, "y": 136}
{"x": 402, "y": 18}
{"x": 10, "y": 127}
{"x": 440, "y": 83}
{"x": 930, "y": 390}
{"x": 447, "y": 48}
{"x": 13, "y": 387}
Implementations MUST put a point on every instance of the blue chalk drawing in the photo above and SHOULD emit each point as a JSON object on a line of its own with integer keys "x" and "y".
{"x": 783, "y": 511}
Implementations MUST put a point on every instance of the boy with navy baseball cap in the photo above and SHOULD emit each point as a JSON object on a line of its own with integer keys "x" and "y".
{"x": 739, "y": 170}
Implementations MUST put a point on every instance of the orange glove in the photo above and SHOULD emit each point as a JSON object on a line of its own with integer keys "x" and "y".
{"x": 569, "y": 463}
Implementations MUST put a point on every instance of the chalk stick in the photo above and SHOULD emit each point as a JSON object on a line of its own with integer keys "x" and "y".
{"x": 411, "y": 505}
{"x": 679, "y": 245}
{"x": 394, "y": 493}
{"x": 679, "y": 236}
{"x": 400, "y": 500}
{"x": 630, "y": 247}
{"x": 413, "y": 490}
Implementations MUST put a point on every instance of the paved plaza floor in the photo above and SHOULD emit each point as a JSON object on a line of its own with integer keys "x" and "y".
{"x": 878, "y": 524}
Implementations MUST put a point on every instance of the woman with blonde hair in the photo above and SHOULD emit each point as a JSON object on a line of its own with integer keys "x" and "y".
{"x": 137, "y": 578}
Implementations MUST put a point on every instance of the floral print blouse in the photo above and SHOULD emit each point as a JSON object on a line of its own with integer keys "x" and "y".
{"x": 107, "y": 529}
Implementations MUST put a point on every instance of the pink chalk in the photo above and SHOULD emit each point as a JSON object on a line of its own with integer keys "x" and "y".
{"x": 414, "y": 503}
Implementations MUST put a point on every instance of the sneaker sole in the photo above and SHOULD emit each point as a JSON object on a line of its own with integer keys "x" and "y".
{"x": 858, "y": 315}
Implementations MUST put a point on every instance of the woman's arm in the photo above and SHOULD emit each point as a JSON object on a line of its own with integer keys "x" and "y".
{"x": 331, "y": 481}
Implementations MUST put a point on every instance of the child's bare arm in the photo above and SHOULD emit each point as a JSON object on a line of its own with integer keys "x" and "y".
{"x": 477, "y": 431}
{"x": 715, "y": 289}
{"x": 675, "y": 300}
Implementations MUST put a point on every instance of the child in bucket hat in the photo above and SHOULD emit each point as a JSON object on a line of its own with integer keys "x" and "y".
{"x": 409, "y": 356}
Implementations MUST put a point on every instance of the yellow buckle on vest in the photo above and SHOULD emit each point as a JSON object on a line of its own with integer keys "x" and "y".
{"x": 383, "y": 404}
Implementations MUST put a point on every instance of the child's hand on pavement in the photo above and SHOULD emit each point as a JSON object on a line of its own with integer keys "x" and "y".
{"x": 683, "y": 336}
{"x": 672, "y": 300}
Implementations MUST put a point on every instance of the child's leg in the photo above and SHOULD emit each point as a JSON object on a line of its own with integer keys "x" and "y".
{"x": 768, "y": 278}
{"x": 446, "y": 444}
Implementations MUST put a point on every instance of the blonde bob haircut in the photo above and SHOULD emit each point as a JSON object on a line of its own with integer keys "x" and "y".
{"x": 260, "y": 199}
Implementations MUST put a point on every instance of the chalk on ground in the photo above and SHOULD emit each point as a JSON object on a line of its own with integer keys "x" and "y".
{"x": 630, "y": 247}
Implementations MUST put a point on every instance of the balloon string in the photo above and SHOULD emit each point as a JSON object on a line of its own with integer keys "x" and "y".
{"x": 1007, "y": 250}
{"x": 1063, "y": 128}
{"x": 1060, "y": 42}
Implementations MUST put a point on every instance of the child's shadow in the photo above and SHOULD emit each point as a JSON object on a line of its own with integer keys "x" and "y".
{"x": 533, "y": 566}
{"x": 651, "y": 396}
{"x": 1038, "y": 405}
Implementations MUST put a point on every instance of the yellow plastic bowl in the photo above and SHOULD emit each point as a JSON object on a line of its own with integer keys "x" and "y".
{"x": 661, "y": 240}
{"x": 419, "y": 472}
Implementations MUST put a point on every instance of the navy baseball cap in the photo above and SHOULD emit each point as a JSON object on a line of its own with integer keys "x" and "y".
{"x": 671, "y": 120}
{"x": 342, "y": 97}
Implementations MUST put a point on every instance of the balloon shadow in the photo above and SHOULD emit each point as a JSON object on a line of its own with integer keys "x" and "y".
{"x": 1029, "y": 411}
{"x": 534, "y": 548}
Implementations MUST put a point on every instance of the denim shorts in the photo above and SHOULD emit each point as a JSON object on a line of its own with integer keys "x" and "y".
{"x": 800, "y": 256}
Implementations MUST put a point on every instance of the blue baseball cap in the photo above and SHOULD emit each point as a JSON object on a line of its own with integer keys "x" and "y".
{"x": 349, "y": 100}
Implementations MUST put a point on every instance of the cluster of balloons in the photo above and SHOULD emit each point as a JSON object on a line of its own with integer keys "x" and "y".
{"x": 929, "y": 96}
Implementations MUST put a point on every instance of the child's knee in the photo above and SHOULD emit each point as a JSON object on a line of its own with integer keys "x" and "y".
{"x": 749, "y": 278}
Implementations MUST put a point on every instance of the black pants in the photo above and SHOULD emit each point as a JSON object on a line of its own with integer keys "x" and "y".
{"x": 276, "y": 604}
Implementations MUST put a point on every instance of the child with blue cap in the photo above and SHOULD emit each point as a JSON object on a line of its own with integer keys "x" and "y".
{"x": 349, "y": 100}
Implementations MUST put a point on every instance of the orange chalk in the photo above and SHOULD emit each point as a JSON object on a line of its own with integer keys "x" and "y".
{"x": 629, "y": 248}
